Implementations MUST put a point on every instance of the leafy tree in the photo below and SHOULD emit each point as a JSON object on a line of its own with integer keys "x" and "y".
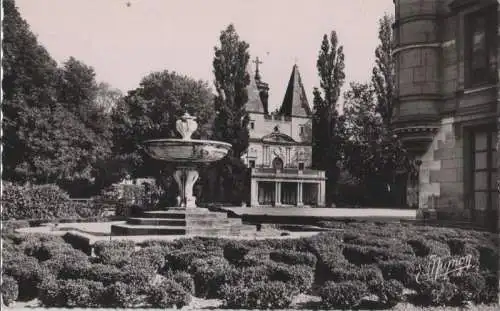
{"x": 372, "y": 153}
{"x": 29, "y": 78}
{"x": 327, "y": 125}
{"x": 231, "y": 121}
{"x": 150, "y": 112}
{"x": 231, "y": 80}
{"x": 48, "y": 136}
{"x": 107, "y": 97}
{"x": 383, "y": 72}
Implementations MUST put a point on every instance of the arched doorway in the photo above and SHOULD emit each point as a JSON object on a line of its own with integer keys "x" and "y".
{"x": 277, "y": 163}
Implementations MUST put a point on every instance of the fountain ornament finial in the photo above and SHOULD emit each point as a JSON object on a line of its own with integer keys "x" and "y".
{"x": 186, "y": 126}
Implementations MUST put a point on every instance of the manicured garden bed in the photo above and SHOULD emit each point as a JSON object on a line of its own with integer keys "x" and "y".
{"x": 369, "y": 265}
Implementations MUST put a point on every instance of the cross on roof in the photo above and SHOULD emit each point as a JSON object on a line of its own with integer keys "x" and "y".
{"x": 257, "y": 62}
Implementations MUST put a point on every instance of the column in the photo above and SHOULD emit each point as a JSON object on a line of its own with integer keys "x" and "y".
{"x": 321, "y": 193}
{"x": 277, "y": 193}
{"x": 300, "y": 188}
{"x": 254, "y": 193}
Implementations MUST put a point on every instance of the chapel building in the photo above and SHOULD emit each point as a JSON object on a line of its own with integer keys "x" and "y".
{"x": 280, "y": 147}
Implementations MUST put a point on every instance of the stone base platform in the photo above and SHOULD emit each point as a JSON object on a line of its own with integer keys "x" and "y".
{"x": 190, "y": 221}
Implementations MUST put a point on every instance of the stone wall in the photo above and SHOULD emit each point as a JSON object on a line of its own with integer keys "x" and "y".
{"x": 441, "y": 171}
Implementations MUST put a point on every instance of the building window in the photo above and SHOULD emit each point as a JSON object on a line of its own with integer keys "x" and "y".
{"x": 481, "y": 50}
{"x": 484, "y": 174}
{"x": 252, "y": 125}
{"x": 301, "y": 129}
{"x": 251, "y": 163}
{"x": 301, "y": 166}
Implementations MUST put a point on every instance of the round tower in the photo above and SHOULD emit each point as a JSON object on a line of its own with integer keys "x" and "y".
{"x": 417, "y": 54}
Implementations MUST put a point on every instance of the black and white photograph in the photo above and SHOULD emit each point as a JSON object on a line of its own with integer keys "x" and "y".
{"x": 250, "y": 155}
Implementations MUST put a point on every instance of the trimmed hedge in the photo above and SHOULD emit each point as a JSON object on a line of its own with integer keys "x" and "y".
{"x": 259, "y": 295}
{"x": 167, "y": 295}
{"x": 42, "y": 202}
{"x": 10, "y": 290}
{"x": 72, "y": 293}
{"x": 294, "y": 258}
{"x": 27, "y": 272}
{"x": 342, "y": 295}
{"x": 115, "y": 252}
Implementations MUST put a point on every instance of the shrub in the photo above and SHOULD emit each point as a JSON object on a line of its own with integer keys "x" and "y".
{"x": 153, "y": 256}
{"x": 82, "y": 293}
{"x": 260, "y": 295}
{"x": 185, "y": 280}
{"x": 208, "y": 279}
{"x": 490, "y": 293}
{"x": 27, "y": 272}
{"x": 400, "y": 270}
{"x": 10, "y": 290}
{"x": 71, "y": 293}
{"x": 327, "y": 263}
{"x": 423, "y": 248}
{"x": 354, "y": 273}
{"x": 50, "y": 293}
{"x": 342, "y": 295}
{"x": 139, "y": 276}
{"x": 294, "y": 258}
{"x": 38, "y": 202}
{"x": 114, "y": 252}
{"x": 235, "y": 251}
{"x": 389, "y": 293}
{"x": 70, "y": 264}
{"x": 300, "y": 277}
{"x": 435, "y": 293}
{"x": 470, "y": 286}
{"x": 121, "y": 295}
{"x": 183, "y": 260}
{"x": 168, "y": 294}
{"x": 106, "y": 274}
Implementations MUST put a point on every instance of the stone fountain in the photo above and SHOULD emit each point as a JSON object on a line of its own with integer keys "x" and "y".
{"x": 187, "y": 153}
{"x": 186, "y": 218}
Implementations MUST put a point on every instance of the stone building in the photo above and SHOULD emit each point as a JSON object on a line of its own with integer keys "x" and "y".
{"x": 280, "y": 147}
{"x": 446, "y": 103}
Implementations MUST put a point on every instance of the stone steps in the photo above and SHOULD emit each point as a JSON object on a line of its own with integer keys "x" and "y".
{"x": 182, "y": 222}
{"x": 129, "y": 229}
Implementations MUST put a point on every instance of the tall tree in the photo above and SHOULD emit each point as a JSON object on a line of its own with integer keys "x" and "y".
{"x": 231, "y": 81}
{"x": 327, "y": 125}
{"x": 231, "y": 121}
{"x": 383, "y": 72}
{"x": 45, "y": 141}
{"x": 150, "y": 112}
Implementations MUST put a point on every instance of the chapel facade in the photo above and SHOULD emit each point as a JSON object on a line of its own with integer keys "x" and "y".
{"x": 280, "y": 147}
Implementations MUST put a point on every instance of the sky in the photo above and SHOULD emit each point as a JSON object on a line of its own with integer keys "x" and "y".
{"x": 124, "y": 40}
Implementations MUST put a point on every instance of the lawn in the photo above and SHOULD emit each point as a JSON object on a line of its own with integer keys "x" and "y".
{"x": 362, "y": 265}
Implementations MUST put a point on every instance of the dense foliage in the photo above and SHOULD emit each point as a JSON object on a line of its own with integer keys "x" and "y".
{"x": 363, "y": 266}
{"x": 231, "y": 120}
{"x": 37, "y": 202}
{"x": 54, "y": 132}
{"x": 327, "y": 124}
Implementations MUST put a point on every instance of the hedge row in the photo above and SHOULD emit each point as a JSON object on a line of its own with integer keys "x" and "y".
{"x": 345, "y": 269}
{"x": 43, "y": 202}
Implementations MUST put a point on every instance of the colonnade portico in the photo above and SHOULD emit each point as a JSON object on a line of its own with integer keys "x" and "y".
{"x": 287, "y": 191}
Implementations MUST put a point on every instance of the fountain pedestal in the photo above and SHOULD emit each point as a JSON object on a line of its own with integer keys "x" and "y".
{"x": 186, "y": 177}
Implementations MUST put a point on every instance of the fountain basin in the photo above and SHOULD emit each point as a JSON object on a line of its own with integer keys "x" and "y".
{"x": 186, "y": 150}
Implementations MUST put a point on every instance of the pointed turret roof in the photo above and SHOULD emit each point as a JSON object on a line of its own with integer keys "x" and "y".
{"x": 254, "y": 103}
{"x": 295, "y": 101}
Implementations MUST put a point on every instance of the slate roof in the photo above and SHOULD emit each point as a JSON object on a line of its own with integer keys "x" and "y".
{"x": 295, "y": 102}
